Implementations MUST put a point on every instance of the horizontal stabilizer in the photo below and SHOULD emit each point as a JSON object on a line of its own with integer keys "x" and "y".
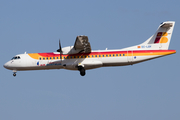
{"x": 166, "y": 25}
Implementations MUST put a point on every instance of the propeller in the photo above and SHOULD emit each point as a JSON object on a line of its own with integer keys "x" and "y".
{"x": 60, "y": 50}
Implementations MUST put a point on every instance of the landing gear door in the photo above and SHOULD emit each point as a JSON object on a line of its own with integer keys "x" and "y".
{"x": 130, "y": 56}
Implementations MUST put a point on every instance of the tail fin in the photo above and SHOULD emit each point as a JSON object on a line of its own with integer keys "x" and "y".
{"x": 161, "y": 39}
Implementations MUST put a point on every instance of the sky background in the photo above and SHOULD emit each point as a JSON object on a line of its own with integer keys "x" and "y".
{"x": 145, "y": 91}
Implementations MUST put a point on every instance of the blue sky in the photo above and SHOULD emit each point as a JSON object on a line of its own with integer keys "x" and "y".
{"x": 148, "y": 90}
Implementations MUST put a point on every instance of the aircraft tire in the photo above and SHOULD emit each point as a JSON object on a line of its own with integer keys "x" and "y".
{"x": 14, "y": 74}
{"x": 82, "y": 71}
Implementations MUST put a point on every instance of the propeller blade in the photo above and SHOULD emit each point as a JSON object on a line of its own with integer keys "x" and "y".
{"x": 60, "y": 50}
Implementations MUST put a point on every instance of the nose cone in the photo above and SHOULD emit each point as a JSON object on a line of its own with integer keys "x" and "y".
{"x": 6, "y": 65}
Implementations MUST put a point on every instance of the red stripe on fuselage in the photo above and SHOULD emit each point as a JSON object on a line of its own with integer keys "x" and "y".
{"x": 106, "y": 52}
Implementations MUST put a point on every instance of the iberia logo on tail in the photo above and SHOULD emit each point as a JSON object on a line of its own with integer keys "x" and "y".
{"x": 161, "y": 37}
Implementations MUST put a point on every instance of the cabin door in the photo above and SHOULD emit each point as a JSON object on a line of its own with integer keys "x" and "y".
{"x": 130, "y": 56}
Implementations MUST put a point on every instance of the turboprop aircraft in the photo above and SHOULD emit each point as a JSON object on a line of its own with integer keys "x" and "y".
{"x": 80, "y": 56}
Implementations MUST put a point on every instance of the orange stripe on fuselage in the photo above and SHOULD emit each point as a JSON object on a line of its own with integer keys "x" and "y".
{"x": 153, "y": 52}
{"x": 34, "y": 55}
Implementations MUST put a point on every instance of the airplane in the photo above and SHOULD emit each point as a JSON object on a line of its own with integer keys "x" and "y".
{"x": 80, "y": 57}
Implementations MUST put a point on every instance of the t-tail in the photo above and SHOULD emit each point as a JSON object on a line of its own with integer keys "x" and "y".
{"x": 160, "y": 40}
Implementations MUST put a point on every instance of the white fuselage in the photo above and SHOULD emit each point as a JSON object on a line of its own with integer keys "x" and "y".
{"x": 91, "y": 60}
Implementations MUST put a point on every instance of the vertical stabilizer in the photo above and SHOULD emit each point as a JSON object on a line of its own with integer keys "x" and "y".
{"x": 161, "y": 39}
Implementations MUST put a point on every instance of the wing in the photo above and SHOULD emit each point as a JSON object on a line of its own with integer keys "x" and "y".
{"x": 82, "y": 44}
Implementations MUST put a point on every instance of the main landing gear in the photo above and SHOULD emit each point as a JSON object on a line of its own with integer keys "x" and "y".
{"x": 82, "y": 70}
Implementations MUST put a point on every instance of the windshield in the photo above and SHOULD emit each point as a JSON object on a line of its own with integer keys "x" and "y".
{"x": 16, "y": 57}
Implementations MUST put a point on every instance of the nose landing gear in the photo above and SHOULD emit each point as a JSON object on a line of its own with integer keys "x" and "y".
{"x": 14, "y": 73}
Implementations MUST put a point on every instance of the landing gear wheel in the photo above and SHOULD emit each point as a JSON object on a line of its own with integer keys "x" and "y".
{"x": 14, "y": 74}
{"x": 82, "y": 70}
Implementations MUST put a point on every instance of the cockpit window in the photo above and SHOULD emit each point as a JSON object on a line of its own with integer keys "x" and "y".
{"x": 16, "y": 57}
